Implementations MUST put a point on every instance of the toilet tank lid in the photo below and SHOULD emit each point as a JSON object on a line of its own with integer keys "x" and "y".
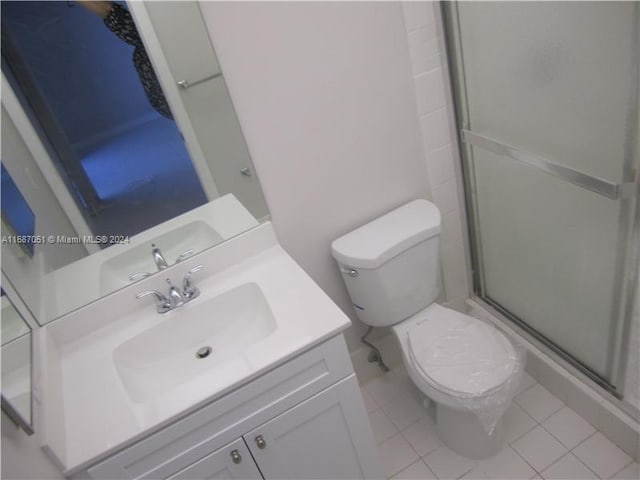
{"x": 382, "y": 239}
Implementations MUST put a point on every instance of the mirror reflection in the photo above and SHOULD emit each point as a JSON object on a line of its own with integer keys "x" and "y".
{"x": 16, "y": 365}
{"x": 124, "y": 139}
{"x": 82, "y": 69}
{"x": 17, "y": 216}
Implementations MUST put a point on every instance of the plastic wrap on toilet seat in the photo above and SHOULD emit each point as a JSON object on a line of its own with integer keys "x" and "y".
{"x": 472, "y": 363}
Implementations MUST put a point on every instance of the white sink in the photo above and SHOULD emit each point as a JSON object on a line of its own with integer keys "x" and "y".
{"x": 165, "y": 356}
{"x": 115, "y": 272}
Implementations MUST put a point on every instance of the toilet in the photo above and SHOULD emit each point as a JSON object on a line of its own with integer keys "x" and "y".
{"x": 468, "y": 368}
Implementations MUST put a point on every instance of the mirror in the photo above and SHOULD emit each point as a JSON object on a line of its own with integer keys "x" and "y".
{"x": 118, "y": 144}
{"x": 16, "y": 365}
{"x": 17, "y": 217}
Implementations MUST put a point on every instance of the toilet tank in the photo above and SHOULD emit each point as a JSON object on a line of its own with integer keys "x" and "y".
{"x": 390, "y": 265}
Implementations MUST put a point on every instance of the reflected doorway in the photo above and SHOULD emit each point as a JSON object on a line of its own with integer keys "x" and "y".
{"x": 125, "y": 163}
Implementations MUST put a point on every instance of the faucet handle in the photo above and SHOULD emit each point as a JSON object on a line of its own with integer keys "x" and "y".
{"x": 189, "y": 290}
{"x": 184, "y": 255}
{"x": 134, "y": 277}
{"x": 195, "y": 269}
{"x": 163, "y": 304}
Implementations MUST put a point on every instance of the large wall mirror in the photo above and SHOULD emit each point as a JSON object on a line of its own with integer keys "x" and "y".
{"x": 119, "y": 132}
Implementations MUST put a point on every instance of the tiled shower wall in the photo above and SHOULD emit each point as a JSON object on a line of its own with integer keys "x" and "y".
{"x": 435, "y": 111}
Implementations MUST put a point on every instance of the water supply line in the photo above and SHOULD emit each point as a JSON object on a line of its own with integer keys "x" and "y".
{"x": 374, "y": 354}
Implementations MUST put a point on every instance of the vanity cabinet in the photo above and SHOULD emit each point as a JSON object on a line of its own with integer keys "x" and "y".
{"x": 231, "y": 461}
{"x": 303, "y": 419}
{"x": 313, "y": 440}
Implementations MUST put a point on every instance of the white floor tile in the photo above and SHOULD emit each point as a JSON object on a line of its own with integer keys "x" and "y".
{"x": 396, "y": 454}
{"x": 422, "y": 436}
{"x": 526, "y": 382}
{"x": 386, "y": 388}
{"x": 415, "y": 471}
{"x": 516, "y": 423}
{"x": 568, "y": 467}
{"x": 369, "y": 404}
{"x": 404, "y": 411}
{"x": 365, "y": 370}
{"x": 507, "y": 464}
{"x": 539, "y": 403}
{"x": 447, "y": 464}
{"x": 630, "y": 472}
{"x": 407, "y": 384}
{"x": 601, "y": 455}
{"x": 394, "y": 405}
{"x": 539, "y": 448}
{"x": 382, "y": 427}
{"x": 568, "y": 427}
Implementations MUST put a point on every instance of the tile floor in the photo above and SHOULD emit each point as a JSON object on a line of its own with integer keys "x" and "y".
{"x": 545, "y": 438}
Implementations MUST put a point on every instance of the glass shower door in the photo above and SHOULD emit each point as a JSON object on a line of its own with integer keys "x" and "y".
{"x": 548, "y": 117}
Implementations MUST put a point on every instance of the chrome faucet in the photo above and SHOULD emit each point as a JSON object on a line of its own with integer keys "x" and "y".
{"x": 160, "y": 261}
{"x": 176, "y": 297}
{"x": 158, "y": 258}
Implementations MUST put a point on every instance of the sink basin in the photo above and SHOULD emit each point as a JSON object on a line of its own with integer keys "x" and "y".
{"x": 115, "y": 272}
{"x": 175, "y": 351}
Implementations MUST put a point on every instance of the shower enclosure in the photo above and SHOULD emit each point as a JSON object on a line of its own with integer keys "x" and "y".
{"x": 547, "y": 113}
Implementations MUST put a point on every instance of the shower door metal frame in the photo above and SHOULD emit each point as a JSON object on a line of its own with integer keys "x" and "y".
{"x": 627, "y": 193}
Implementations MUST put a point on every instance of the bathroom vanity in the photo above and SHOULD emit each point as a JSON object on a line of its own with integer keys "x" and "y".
{"x": 124, "y": 395}
{"x": 303, "y": 419}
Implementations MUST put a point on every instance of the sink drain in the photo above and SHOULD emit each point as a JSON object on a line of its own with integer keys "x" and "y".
{"x": 203, "y": 352}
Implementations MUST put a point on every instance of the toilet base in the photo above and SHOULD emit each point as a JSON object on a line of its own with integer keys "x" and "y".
{"x": 463, "y": 433}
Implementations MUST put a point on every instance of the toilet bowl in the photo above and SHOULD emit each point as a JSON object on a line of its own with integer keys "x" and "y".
{"x": 467, "y": 367}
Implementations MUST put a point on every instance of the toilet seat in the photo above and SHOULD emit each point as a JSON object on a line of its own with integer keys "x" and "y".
{"x": 460, "y": 355}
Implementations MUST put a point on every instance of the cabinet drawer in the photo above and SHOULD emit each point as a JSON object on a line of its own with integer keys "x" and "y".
{"x": 191, "y": 438}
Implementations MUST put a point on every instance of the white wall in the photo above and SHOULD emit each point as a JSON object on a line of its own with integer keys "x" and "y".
{"x": 324, "y": 94}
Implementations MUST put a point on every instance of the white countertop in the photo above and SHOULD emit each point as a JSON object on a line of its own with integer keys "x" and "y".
{"x": 87, "y": 413}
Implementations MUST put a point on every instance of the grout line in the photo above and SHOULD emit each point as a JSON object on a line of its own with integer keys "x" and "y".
{"x": 577, "y": 458}
{"x": 632, "y": 461}
{"x": 430, "y": 70}
{"x": 525, "y": 460}
{"x": 474, "y": 466}
{"x": 526, "y": 390}
{"x": 594, "y": 433}
{"x": 412, "y": 449}
{"x": 522, "y": 435}
{"x": 559, "y": 441}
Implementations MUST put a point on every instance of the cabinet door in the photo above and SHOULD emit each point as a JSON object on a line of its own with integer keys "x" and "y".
{"x": 327, "y": 436}
{"x": 231, "y": 461}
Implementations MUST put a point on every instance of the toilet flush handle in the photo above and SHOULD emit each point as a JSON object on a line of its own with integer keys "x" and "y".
{"x": 349, "y": 271}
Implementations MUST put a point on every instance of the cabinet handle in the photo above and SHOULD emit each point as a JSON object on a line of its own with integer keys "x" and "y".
{"x": 260, "y": 442}
{"x": 235, "y": 456}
